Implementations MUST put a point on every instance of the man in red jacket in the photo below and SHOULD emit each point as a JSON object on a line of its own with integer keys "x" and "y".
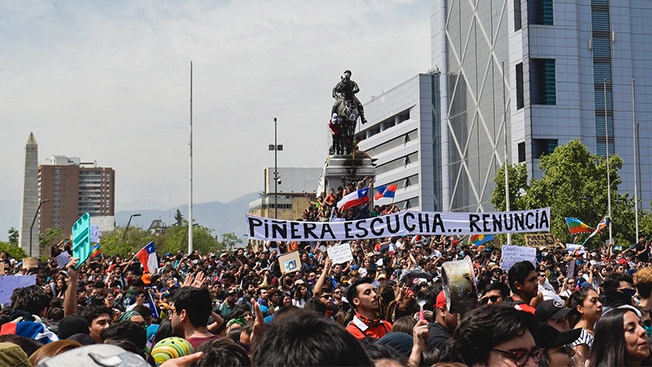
{"x": 365, "y": 302}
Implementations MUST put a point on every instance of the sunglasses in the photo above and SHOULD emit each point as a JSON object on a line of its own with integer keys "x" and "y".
{"x": 327, "y": 296}
{"x": 628, "y": 291}
{"x": 521, "y": 356}
{"x": 493, "y": 299}
{"x": 568, "y": 349}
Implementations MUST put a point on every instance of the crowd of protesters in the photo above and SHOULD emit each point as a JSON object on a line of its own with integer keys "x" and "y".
{"x": 238, "y": 308}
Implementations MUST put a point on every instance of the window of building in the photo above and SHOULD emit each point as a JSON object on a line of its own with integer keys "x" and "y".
{"x": 521, "y": 152}
{"x": 543, "y": 146}
{"x": 520, "y": 97}
{"x": 517, "y": 15}
{"x": 540, "y": 12}
{"x": 542, "y": 82}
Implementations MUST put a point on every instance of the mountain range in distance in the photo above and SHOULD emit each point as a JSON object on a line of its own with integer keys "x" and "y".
{"x": 217, "y": 216}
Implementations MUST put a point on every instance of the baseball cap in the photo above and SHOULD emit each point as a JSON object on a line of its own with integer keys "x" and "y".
{"x": 547, "y": 336}
{"x": 552, "y": 309}
{"x": 441, "y": 300}
{"x": 381, "y": 276}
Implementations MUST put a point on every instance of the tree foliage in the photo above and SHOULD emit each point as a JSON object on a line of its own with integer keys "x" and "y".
{"x": 574, "y": 184}
{"x": 13, "y": 236}
{"x": 14, "y": 251}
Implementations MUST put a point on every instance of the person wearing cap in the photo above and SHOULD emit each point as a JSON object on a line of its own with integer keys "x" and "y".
{"x": 385, "y": 292}
{"x": 554, "y": 313}
{"x": 440, "y": 330}
{"x": 556, "y": 346}
{"x": 364, "y": 300}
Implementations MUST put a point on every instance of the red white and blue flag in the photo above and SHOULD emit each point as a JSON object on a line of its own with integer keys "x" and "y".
{"x": 354, "y": 199}
{"x": 386, "y": 191}
{"x": 147, "y": 257}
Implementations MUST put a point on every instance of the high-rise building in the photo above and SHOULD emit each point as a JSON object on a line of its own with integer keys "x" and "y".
{"x": 511, "y": 80}
{"x": 74, "y": 188}
{"x": 520, "y": 77}
{"x": 30, "y": 203}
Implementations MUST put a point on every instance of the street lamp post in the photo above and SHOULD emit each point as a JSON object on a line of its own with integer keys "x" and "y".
{"x": 38, "y": 209}
{"x": 276, "y": 147}
{"x": 124, "y": 235}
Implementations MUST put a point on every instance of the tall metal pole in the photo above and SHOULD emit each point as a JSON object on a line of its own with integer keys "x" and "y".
{"x": 275, "y": 169}
{"x": 190, "y": 247}
{"x": 606, "y": 134}
{"x": 38, "y": 209}
{"x": 507, "y": 199}
{"x": 635, "y": 133}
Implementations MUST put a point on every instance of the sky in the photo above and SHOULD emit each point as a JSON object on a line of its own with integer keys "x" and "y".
{"x": 109, "y": 81}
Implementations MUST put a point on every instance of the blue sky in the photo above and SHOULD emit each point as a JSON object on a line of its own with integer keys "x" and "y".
{"x": 108, "y": 81}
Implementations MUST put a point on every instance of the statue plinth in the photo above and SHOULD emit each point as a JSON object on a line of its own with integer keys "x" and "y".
{"x": 341, "y": 170}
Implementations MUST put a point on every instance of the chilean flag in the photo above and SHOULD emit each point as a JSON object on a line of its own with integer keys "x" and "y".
{"x": 147, "y": 257}
{"x": 386, "y": 191}
{"x": 354, "y": 199}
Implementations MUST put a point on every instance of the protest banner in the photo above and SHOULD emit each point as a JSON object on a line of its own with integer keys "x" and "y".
{"x": 539, "y": 240}
{"x": 578, "y": 249}
{"x": 290, "y": 262}
{"x": 63, "y": 259}
{"x": 340, "y": 253}
{"x": 11, "y": 282}
{"x": 514, "y": 254}
{"x": 401, "y": 223}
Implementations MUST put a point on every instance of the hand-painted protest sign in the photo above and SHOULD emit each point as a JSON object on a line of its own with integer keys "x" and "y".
{"x": 539, "y": 240}
{"x": 340, "y": 253}
{"x": 401, "y": 223}
{"x": 514, "y": 254}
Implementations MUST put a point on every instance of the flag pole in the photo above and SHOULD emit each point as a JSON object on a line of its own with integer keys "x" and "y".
{"x": 635, "y": 133}
{"x": 507, "y": 203}
{"x": 606, "y": 131}
{"x": 190, "y": 245}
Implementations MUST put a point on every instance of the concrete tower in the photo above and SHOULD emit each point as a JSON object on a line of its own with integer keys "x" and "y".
{"x": 30, "y": 199}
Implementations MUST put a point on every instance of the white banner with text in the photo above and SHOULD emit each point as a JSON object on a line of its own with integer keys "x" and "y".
{"x": 401, "y": 223}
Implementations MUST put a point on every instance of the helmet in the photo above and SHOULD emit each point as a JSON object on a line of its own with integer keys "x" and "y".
{"x": 169, "y": 348}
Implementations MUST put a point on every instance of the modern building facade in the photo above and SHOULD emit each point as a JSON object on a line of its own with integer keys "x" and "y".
{"x": 402, "y": 134}
{"x": 74, "y": 188}
{"x": 520, "y": 77}
{"x": 511, "y": 80}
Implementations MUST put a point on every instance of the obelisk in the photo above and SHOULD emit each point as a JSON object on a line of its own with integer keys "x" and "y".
{"x": 30, "y": 199}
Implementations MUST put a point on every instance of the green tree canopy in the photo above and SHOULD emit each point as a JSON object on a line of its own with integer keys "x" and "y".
{"x": 574, "y": 184}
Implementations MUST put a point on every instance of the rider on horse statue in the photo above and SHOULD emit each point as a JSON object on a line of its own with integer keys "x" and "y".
{"x": 344, "y": 94}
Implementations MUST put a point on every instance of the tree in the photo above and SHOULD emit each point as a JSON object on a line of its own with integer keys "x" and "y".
{"x": 178, "y": 218}
{"x": 574, "y": 184}
{"x": 51, "y": 236}
{"x": 13, "y": 236}
{"x": 229, "y": 241}
{"x": 518, "y": 186}
{"x": 112, "y": 242}
{"x": 14, "y": 251}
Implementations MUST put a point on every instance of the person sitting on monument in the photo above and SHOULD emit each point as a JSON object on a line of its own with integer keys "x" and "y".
{"x": 335, "y": 127}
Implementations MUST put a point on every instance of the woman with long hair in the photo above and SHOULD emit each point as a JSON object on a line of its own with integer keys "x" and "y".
{"x": 300, "y": 295}
{"x": 52, "y": 349}
{"x": 620, "y": 340}
{"x": 587, "y": 304}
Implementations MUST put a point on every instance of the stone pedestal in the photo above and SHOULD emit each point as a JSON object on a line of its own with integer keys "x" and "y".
{"x": 342, "y": 170}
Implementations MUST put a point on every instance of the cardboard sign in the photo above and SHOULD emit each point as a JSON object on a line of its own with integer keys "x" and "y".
{"x": 570, "y": 247}
{"x": 30, "y": 263}
{"x": 63, "y": 259}
{"x": 539, "y": 240}
{"x": 290, "y": 262}
{"x": 340, "y": 253}
{"x": 514, "y": 254}
{"x": 11, "y": 282}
